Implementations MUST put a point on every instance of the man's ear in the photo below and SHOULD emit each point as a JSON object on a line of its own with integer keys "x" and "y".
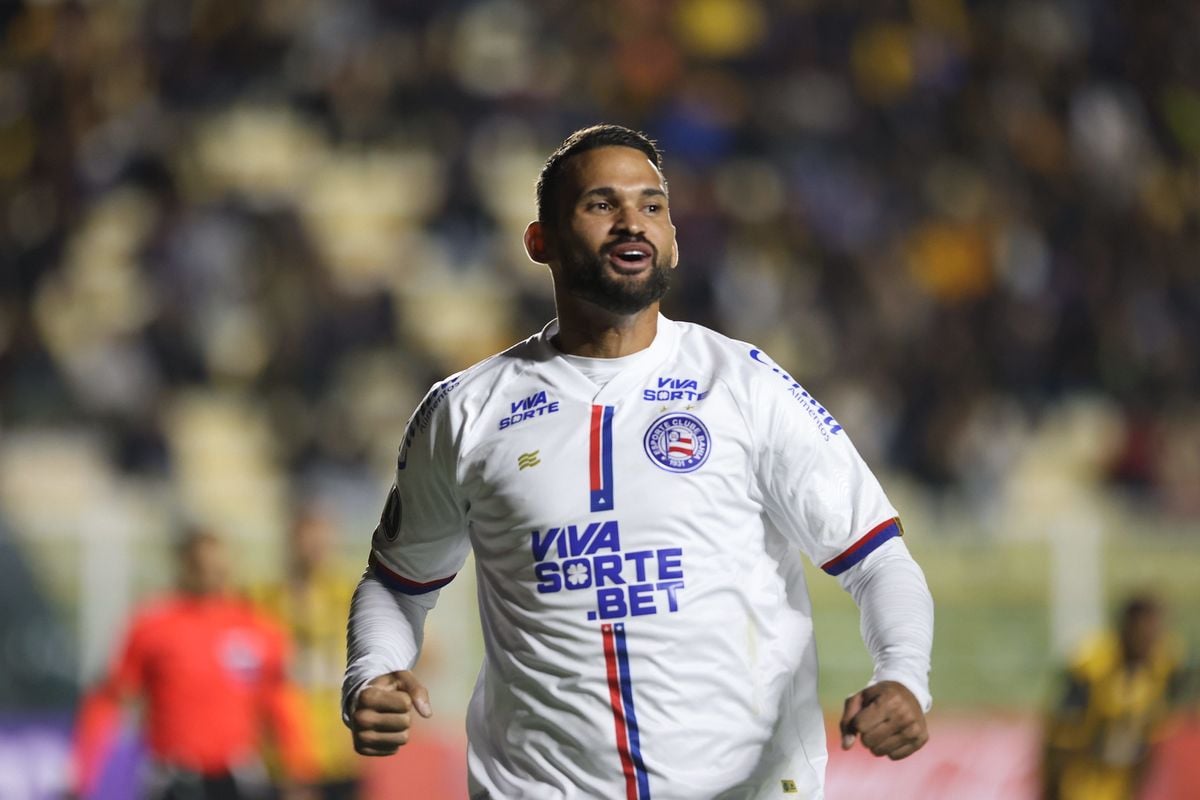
{"x": 535, "y": 242}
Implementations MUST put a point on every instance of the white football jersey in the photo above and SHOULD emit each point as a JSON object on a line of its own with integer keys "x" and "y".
{"x": 647, "y": 629}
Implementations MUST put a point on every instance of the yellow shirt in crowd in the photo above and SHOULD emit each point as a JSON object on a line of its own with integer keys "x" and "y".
{"x": 316, "y": 620}
{"x": 1102, "y": 730}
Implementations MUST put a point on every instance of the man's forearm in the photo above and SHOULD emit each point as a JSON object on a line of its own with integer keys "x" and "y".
{"x": 384, "y": 634}
{"x": 897, "y": 616}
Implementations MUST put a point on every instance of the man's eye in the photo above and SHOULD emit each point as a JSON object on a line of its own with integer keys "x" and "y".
{"x": 653, "y": 208}
{"x": 600, "y": 206}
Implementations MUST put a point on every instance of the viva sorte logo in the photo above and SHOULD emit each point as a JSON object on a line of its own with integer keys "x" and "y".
{"x": 589, "y": 558}
{"x": 526, "y": 408}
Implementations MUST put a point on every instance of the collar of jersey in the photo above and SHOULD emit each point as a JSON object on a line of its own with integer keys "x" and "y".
{"x": 665, "y": 337}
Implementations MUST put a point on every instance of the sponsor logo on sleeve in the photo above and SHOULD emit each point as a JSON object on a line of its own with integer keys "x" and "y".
{"x": 421, "y": 418}
{"x": 826, "y": 424}
{"x": 677, "y": 442}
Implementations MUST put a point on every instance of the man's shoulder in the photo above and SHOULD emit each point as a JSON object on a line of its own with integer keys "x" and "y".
{"x": 758, "y": 384}
{"x": 456, "y": 399}
{"x": 743, "y": 363}
{"x": 1096, "y": 657}
{"x": 160, "y": 616}
{"x": 153, "y": 613}
{"x": 483, "y": 375}
{"x": 162, "y": 608}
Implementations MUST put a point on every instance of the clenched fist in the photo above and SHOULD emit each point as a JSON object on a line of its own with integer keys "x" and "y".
{"x": 888, "y": 718}
{"x": 384, "y": 713}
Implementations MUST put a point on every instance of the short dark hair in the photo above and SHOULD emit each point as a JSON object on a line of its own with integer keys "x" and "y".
{"x": 581, "y": 141}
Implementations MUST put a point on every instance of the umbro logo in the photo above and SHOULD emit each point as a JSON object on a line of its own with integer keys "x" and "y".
{"x": 528, "y": 459}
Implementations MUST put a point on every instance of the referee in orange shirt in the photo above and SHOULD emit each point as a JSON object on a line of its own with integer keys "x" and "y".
{"x": 212, "y": 673}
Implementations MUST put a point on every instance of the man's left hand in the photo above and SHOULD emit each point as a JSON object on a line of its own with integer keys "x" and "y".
{"x": 888, "y": 718}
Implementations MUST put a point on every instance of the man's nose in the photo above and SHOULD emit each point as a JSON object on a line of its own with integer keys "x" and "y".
{"x": 628, "y": 220}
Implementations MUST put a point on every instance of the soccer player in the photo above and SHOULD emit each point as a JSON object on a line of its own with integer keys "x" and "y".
{"x": 212, "y": 672}
{"x": 638, "y": 493}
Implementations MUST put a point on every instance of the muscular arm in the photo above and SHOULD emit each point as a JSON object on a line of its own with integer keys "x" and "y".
{"x": 897, "y": 626}
{"x": 896, "y": 616}
{"x": 384, "y": 635}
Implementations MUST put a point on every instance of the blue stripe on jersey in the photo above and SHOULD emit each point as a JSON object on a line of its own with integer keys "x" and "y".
{"x": 397, "y": 582}
{"x": 866, "y": 545}
{"x": 635, "y": 745}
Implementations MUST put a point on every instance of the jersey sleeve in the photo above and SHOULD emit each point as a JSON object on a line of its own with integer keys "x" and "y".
{"x": 817, "y": 489}
{"x": 421, "y": 540}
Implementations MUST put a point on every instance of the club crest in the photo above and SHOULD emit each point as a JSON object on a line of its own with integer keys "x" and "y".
{"x": 677, "y": 442}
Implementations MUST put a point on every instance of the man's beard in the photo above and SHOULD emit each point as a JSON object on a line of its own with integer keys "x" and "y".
{"x": 586, "y": 278}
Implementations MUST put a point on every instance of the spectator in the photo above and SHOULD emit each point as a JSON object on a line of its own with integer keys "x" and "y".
{"x": 1117, "y": 692}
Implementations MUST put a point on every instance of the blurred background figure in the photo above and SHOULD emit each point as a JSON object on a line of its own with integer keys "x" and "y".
{"x": 210, "y": 672}
{"x": 1116, "y": 696}
{"x": 312, "y": 601}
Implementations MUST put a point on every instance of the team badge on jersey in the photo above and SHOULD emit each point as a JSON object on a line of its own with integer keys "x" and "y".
{"x": 677, "y": 442}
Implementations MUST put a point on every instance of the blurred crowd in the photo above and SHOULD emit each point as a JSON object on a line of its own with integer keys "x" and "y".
{"x": 273, "y": 224}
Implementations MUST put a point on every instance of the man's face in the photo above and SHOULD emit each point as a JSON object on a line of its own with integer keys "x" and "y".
{"x": 205, "y": 566}
{"x": 312, "y": 537}
{"x": 1140, "y": 634}
{"x": 613, "y": 243}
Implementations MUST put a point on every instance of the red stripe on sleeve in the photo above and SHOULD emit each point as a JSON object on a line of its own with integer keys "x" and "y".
{"x": 400, "y": 583}
{"x": 863, "y": 547}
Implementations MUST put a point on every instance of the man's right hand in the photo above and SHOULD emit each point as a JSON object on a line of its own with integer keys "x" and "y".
{"x": 384, "y": 713}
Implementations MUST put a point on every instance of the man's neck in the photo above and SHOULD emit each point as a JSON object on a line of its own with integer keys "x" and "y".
{"x": 589, "y": 331}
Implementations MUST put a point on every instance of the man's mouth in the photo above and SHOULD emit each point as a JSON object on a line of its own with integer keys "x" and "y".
{"x": 631, "y": 256}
